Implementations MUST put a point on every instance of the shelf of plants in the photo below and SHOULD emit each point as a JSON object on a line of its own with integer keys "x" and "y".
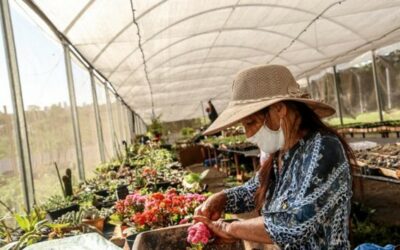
{"x": 138, "y": 192}
{"x": 384, "y": 127}
{"x": 381, "y": 160}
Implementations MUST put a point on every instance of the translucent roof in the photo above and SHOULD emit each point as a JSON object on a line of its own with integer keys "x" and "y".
{"x": 193, "y": 49}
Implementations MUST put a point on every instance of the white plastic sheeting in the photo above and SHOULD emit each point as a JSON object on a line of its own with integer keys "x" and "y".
{"x": 193, "y": 48}
{"x": 81, "y": 242}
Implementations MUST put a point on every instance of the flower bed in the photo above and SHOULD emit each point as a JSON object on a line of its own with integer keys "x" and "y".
{"x": 145, "y": 212}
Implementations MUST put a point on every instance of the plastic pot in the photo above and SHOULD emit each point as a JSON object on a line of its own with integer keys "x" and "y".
{"x": 131, "y": 240}
{"x": 54, "y": 214}
{"x": 103, "y": 193}
{"x": 122, "y": 192}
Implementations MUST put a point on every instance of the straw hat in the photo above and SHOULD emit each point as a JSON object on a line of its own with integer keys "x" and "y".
{"x": 257, "y": 88}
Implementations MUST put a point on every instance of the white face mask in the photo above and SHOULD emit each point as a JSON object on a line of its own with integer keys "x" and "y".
{"x": 267, "y": 140}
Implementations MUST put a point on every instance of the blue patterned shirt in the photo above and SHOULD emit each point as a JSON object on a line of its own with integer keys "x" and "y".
{"x": 308, "y": 203}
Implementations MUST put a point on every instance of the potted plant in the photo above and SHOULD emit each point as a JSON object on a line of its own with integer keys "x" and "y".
{"x": 68, "y": 224}
{"x": 156, "y": 128}
{"x": 92, "y": 216}
{"x": 32, "y": 227}
{"x": 57, "y": 205}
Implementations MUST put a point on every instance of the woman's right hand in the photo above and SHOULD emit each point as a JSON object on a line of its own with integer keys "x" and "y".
{"x": 213, "y": 207}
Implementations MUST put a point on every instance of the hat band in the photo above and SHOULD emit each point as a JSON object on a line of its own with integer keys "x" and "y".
{"x": 294, "y": 95}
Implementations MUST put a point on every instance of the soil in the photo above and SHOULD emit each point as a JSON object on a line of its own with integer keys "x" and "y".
{"x": 382, "y": 196}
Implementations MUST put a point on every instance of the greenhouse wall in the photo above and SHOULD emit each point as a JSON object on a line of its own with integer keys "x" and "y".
{"x": 388, "y": 73}
{"x": 87, "y": 118}
{"x": 322, "y": 87}
{"x": 358, "y": 90}
{"x": 10, "y": 174}
{"x": 46, "y": 104}
{"x": 105, "y": 119}
{"x": 49, "y": 101}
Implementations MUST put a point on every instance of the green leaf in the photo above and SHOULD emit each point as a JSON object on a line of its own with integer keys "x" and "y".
{"x": 58, "y": 225}
{"x": 40, "y": 224}
{"x": 115, "y": 219}
{"x": 23, "y": 222}
{"x": 192, "y": 178}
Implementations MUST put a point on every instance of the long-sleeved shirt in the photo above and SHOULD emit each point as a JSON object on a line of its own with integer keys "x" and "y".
{"x": 308, "y": 203}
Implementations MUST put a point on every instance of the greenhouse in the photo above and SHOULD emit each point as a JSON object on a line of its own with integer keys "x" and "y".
{"x": 171, "y": 124}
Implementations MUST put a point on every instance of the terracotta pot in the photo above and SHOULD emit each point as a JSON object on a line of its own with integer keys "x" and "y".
{"x": 97, "y": 223}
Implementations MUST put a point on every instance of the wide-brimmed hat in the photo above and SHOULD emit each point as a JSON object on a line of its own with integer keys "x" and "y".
{"x": 259, "y": 87}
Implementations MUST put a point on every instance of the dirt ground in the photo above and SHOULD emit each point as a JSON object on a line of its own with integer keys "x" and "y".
{"x": 382, "y": 196}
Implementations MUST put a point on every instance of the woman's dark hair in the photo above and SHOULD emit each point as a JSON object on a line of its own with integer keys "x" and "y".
{"x": 310, "y": 122}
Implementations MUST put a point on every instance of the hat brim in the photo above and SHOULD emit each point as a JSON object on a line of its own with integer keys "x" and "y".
{"x": 236, "y": 112}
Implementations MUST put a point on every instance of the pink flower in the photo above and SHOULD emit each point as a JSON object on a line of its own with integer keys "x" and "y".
{"x": 198, "y": 233}
{"x": 204, "y": 240}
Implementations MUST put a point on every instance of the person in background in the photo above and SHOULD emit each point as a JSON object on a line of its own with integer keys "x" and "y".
{"x": 302, "y": 191}
{"x": 212, "y": 112}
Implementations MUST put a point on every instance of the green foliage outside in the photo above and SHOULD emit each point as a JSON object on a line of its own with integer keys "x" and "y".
{"x": 187, "y": 132}
{"x": 229, "y": 140}
{"x": 365, "y": 118}
{"x": 156, "y": 126}
{"x": 51, "y": 140}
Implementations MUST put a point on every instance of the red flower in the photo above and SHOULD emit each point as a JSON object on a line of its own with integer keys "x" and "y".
{"x": 158, "y": 209}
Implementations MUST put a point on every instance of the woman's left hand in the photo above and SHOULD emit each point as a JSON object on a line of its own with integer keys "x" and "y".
{"x": 219, "y": 228}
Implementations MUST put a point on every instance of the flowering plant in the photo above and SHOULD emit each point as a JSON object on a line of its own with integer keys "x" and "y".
{"x": 198, "y": 235}
{"x": 149, "y": 172}
{"x": 157, "y": 210}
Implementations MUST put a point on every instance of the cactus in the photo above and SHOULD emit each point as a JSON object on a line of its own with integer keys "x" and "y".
{"x": 67, "y": 180}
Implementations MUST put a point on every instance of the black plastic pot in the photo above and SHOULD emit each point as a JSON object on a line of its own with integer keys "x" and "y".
{"x": 103, "y": 193}
{"x": 162, "y": 185}
{"x": 166, "y": 146}
{"x": 122, "y": 192}
{"x": 131, "y": 239}
{"x": 54, "y": 214}
{"x": 108, "y": 204}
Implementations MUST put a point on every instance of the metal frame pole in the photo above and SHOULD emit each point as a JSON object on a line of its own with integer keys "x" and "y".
{"x": 111, "y": 120}
{"x": 336, "y": 81}
{"x": 135, "y": 124}
{"x": 377, "y": 90}
{"x": 309, "y": 87}
{"x": 21, "y": 134}
{"x": 140, "y": 127}
{"x": 131, "y": 126}
{"x": 144, "y": 126}
{"x": 126, "y": 122}
{"x": 74, "y": 112}
{"x": 120, "y": 119}
{"x": 99, "y": 129}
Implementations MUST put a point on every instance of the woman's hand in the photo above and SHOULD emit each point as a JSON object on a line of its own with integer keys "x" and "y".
{"x": 213, "y": 207}
{"x": 219, "y": 228}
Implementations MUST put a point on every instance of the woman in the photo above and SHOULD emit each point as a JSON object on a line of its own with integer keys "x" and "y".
{"x": 303, "y": 190}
